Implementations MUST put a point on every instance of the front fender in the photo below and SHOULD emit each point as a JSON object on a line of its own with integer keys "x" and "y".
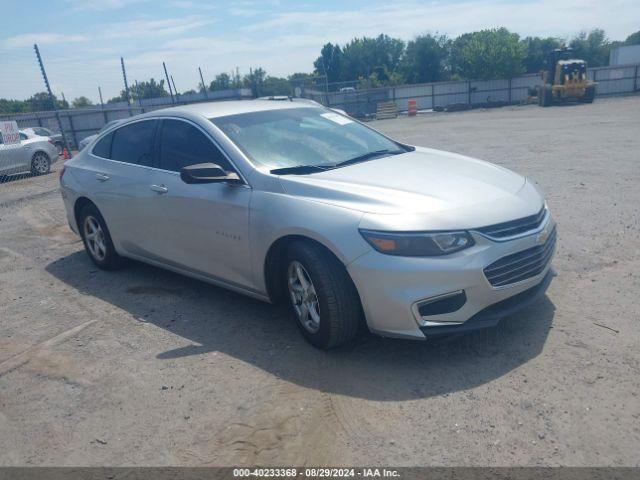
{"x": 276, "y": 215}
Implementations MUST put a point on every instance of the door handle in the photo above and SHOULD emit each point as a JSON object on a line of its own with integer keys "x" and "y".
{"x": 159, "y": 189}
{"x": 102, "y": 177}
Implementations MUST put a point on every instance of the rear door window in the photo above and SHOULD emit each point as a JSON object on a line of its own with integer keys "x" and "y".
{"x": 42, "y": 132}
{"x": 182, "y": 144}
{"x": 134, "y": 143}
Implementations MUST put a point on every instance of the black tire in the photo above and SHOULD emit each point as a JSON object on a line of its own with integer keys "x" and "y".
{"x": 545, "y": 95}
{"x": 340, "y": 312}
{"x": 589, "y": 95}
{"x": 540, "y": 96}
{"x": 110, "y": 260}
{"x": 40, "y": 164}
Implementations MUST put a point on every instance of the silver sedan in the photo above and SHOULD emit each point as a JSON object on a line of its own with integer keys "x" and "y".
{"x": 298, "y": 203}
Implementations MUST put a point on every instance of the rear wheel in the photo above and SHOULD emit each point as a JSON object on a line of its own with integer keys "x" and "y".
{"x": 40, "y": 164}
{"x": 323, "y": 299}
{"x": 97, "y": 239}
{"x": 589, "y": 95}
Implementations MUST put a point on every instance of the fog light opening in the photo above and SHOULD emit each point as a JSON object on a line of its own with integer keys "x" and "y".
{"x": 442, "y": 304}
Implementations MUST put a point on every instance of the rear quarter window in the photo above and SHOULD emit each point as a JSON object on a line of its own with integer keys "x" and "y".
{"x": 103, "y": 147}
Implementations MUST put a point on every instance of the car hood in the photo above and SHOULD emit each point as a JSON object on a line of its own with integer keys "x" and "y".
{"x": 451, "y": 190}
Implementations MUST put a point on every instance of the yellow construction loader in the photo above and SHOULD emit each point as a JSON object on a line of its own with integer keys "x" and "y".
{"x": 565, "y": 80}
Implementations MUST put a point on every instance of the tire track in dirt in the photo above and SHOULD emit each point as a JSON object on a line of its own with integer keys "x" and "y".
{"x": 293, "y": 428}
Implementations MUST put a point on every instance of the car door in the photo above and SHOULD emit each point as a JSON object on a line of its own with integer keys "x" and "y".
{"x": 120, "y": 171}
{"x": 203, "y": 227}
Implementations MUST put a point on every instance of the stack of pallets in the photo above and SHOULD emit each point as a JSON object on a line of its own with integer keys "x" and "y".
{"x": 386, "y": 110}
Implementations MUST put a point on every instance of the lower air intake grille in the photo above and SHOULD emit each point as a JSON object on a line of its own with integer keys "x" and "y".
{"x": 522, "y": 265}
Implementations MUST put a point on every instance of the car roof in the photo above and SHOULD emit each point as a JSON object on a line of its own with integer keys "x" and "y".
{"x": 222, "y": 109}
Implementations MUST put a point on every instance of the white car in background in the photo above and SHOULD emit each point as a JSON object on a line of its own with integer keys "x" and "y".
{"x": 57, "y": 138}
{"x": 35, "y": 154}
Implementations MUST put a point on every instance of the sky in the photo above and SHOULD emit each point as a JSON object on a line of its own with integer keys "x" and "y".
{"x": 81, "y": 41}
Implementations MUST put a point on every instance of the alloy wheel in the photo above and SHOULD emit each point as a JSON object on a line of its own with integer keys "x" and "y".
{"x": 40, "y": 163}
{"x": 303, "y": 297}
{"x": 95, "y": 239}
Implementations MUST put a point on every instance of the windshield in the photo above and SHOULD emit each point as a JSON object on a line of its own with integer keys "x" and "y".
{"x": 295, "y": 137}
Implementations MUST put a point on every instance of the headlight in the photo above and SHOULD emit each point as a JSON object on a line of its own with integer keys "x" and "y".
{"x": 419, "y": 244}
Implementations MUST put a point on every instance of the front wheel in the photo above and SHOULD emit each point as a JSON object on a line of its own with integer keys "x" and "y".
{"x": 40, "y": 164}
{"x": 323, "y": 299}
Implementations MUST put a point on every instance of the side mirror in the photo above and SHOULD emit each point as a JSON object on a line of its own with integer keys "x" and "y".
{"x": 208, "y": 173}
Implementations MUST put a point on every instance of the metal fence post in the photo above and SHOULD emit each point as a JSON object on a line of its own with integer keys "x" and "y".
{"x": 126, "y": 86}
{"x": 509, "y": 89}
{"x": 175, "y": 90}
{"x": 168, "y": 81}
{"x": 204, "y": 87}
{"x": 73, "y": 131}
{"x": 635, "y": 80}
{"x": 106, "y": 118}
{"x": 469, "y": 92}
{"x": 51, "y": 97}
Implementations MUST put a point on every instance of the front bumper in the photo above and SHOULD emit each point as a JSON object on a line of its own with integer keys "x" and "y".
{"x": 391, "y": 288}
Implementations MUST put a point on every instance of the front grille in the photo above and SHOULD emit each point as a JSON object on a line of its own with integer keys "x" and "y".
{"x": 514, "y": 227}
{"x": 522, "y": 265}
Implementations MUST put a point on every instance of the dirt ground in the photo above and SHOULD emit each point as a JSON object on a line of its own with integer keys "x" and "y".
{"x": 146, "y": 367}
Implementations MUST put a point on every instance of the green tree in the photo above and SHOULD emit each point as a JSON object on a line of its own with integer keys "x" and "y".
{"x": 81, "y": 101}
{"x": 329, "y": 62}
{"x": 363, "y": 56}
{"x": 424, "y": 59}
{"x": 222, "y": 81}
{"x": 494, "y": 53}
{"x": 148, "y": 89}
{"x": 633, "y": 39}
{"x": 537, "y": 50}
{"x": 40, "y": 102}
{"x": 593, "y": 47}
{"x": 255, "y": 80}
{"x": 12, "y": 106}
{"x": 276, "y": 86}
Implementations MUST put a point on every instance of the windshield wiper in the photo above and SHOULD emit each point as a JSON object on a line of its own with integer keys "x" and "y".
{"x": 369, "y": 156}
{"x": 301, "y": 169}
{"x": 305, "y": 169}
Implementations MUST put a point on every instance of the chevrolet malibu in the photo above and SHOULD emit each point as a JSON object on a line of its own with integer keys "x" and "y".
{"x": 298, "y": 203}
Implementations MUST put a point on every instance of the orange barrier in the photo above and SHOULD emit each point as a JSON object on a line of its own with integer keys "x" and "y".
{"x": 412, "y": 107}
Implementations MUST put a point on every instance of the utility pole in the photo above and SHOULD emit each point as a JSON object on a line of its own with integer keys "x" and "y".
{"x": 126, "y": 85}
{"x": 64, "y": 100}
{"x": 168, "y": 81}
{"x": 51, "y": 97}
{"x": 204, "y": 87}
